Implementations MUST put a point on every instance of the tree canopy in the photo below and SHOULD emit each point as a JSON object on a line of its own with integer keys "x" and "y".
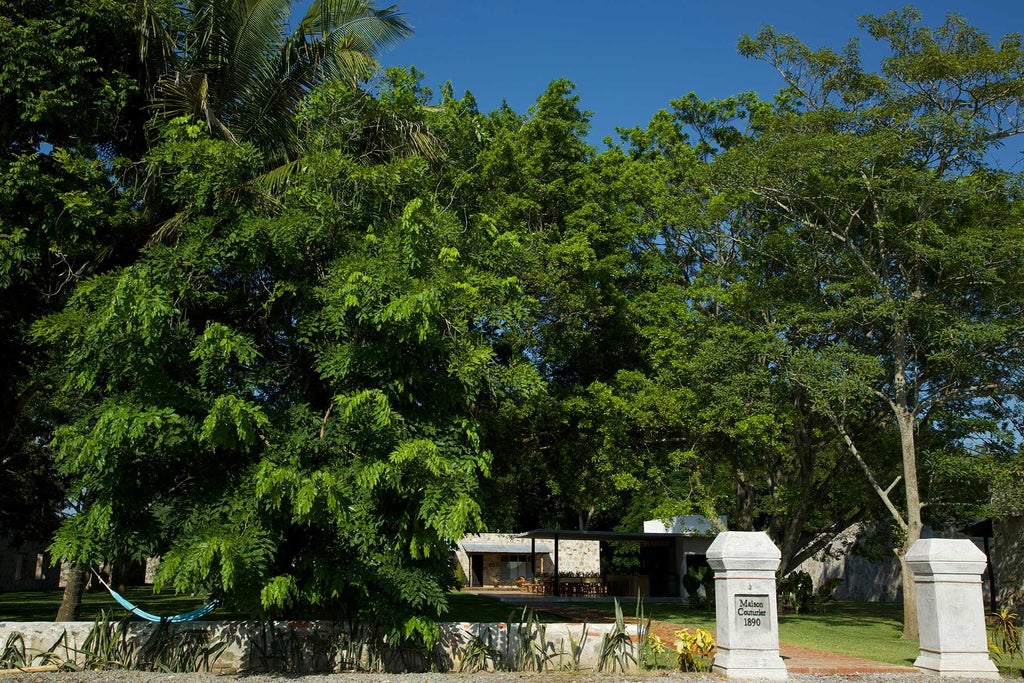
{"x": 296, "y": 326}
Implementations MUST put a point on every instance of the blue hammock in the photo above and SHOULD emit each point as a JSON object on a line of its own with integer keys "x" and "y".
{"x": 176, "y": 619}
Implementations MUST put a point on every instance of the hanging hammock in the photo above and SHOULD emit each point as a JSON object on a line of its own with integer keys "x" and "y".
{"x": 175, "y": 619}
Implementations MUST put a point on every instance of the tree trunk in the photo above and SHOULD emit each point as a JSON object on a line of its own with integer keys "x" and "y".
{"x": 71, "y": 603}
{"x": 906, "y": 424}
{"x": 910, "y": 625}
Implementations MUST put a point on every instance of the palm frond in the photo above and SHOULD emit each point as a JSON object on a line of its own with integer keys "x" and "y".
{"x": 273, "y": 182}
{"x": 346, "y": 28}
{"x": 236, "y": 67}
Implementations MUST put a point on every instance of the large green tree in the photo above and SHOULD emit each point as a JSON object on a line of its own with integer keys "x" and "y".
{"x": 286, "y": 395}
{"x": 711, "y": 422}
{"x": 534, "y": 175}
{"x": 900, "y": 239}
{"x": 79, "y": 87}
{"x": 68, "y": 102}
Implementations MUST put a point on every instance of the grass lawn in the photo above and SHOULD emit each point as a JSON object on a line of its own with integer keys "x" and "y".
{"x": 43, "y": 605}
{"x": 472, "y": 607}
{"x": 866, "y": 630}
{"x": 858, "y": 629}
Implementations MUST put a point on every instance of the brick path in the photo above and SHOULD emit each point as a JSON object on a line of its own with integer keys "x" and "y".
{"x": 799, "y": 660}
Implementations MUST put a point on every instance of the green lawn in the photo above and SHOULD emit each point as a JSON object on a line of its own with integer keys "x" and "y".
{"x": 42, "y": 606}
{"x": 472, "y": 607}
{"x": 858, "y": 629}
{"x": 867, "y": 630}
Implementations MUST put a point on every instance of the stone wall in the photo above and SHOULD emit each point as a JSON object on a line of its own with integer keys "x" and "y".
{"x": 1008, "y": 561}
{"x": 874, "y": 580}
{"x": 579, "y": 557}
{"x": 864, "y": 579}
{"x": 321, "y": 646}
{"x": 574, "y": 557}
{"x": 26, "y": 567}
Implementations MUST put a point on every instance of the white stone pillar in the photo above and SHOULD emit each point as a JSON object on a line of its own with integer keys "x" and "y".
{"x": 951, "y": 608}
{"x": 746, "y": 607}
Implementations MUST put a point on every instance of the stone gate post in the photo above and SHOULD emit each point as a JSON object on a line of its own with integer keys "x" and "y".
{"x": 951, "y": 608}
{"x": 746, "y": 607}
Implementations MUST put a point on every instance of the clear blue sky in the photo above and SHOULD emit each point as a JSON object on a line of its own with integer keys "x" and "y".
{"x": 629, "y": 58}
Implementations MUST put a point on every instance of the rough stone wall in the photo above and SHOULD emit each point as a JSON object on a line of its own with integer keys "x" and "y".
{"x": 579, "y": 557}
{"x": 1008, "y": 561}
{"x": 864, "y": 579}
{"x": 868, "y": 580}
{"x": 322, "y": 646}
{"x": 152, "y": 564}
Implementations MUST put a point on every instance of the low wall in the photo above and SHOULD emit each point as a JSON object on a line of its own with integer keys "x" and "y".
{"x": 324, "y": 646}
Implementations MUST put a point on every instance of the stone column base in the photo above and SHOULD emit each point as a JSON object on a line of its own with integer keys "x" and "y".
{"x": 762, "y": 664}
{"x": 957, "y": 664}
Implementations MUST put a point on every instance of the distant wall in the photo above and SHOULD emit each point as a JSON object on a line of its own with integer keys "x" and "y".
{"x": 26, "y": 567}
{"x": 870, "y": 580}
{"x": 1008, "y": 561}
{"x": 864, "y": 579}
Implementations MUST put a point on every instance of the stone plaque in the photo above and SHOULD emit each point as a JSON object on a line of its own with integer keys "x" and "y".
{"x": 752, "y": 613}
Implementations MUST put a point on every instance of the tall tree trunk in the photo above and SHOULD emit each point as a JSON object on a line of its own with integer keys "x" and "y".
{"x": 913, "y": 531}
{"x": 906, "y": 419}
{"x": 71, "y": 603}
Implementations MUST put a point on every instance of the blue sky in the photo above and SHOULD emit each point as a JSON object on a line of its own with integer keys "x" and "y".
{"x": 629, "y": 58}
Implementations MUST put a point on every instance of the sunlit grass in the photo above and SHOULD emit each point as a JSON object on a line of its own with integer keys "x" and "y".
{"x": 857, "y": 629}
{"x": 484, "y": 608}
{"x": 43, "y": 605}
{"x": 866, "y": 630}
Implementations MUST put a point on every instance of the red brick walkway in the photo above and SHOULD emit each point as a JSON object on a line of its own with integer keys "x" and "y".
{"x": 799, "y": 660}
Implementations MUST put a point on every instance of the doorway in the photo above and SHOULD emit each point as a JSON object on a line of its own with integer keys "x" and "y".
{"x": 476, "y": 571}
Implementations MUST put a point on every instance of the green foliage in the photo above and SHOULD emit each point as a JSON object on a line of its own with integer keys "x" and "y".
{"x": 67, "y": 112}
{"x": 286, "y": 396}
{"x": 1004, "y": 639}
{"x": 480, "y": 652}
{"x": 617, "y": 649}
{"x": 110, "y": 646}
{"x": 299, "y": 351}
{"x": 243, "y": 71}
{"x": 796, "y": 591}
{"x": 13, "y": 655}
{"x": 694, "y": 648}
{"x": 837, "y": 276}
{"x": 528, "y": 650}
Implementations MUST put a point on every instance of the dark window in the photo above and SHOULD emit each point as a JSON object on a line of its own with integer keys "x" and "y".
{"x": 514, "y": 566}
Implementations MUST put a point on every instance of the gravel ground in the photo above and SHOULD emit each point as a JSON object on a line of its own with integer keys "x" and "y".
{"x": 498, "y": 677}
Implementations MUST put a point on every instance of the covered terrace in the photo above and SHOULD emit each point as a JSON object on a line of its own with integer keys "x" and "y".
{"x": 664, "y": 560}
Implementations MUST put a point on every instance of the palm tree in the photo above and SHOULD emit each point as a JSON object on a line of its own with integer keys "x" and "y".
{"x": 238, "y": 66}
